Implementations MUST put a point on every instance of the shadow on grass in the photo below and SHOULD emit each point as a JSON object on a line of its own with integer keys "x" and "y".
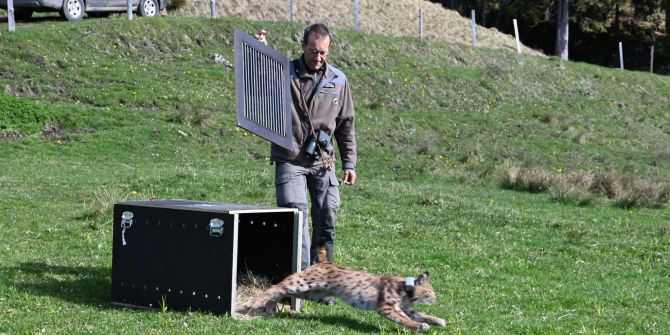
{"x": 39, "y": 18}
{"x": 343, "y": 321}
{"x": 77, "y": 284}
{"x": 91, "y": 286}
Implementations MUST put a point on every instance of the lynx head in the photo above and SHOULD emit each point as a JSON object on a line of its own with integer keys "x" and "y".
{"x": 419, "y": 289}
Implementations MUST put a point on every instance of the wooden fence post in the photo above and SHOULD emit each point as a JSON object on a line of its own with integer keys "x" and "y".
{"x": 516, "y": 35}
{"x": 291, "y": 14}
{"x": 421, "y": 23}
{"x": 11, "y": 25}
{"x": 357, "y": 13}
{"x": 212, "y": 9}
{"x": 621, "y": 55}
{"x": 129, "y": 9}
{"x": 474, "y": 30}
{"x": 651, "y": 60}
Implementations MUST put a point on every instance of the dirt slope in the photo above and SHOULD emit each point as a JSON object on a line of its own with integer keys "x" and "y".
{"x": 392, "y": 18}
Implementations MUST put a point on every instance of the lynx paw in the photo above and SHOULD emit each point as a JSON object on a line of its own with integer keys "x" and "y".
{"x": 440, "y": 322}
{"x": 271, "y": 309}
{"x": 262, "y": 304}
{"x": 423, "y": 327}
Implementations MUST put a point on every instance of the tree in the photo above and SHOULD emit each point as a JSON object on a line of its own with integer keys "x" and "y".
{"x": 562, "y": 28}
{"x": 597, "y": 26}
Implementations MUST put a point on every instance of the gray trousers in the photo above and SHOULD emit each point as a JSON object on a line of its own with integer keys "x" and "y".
{"x": 293, "y": 183}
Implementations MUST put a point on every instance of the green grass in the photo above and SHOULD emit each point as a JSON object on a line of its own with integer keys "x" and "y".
{"x": 139, "y": 109}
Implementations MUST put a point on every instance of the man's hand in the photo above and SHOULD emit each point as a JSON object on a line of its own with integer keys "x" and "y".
{"x": 349, "y": 177}
{"x": 261, "y": 37}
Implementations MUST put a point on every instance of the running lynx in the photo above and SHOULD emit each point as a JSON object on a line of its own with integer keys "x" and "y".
{"x": 390, "y": 296}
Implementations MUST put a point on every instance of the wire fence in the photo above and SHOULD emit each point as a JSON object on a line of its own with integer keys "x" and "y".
{"x": 356, "y": 25}
{"x": 421, "y": 18}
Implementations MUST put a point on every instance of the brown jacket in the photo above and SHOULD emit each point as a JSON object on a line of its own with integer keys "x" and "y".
{"x": 331, "y": 109}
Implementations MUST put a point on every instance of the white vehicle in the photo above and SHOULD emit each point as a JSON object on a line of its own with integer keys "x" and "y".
{"x": 75, "y": 9}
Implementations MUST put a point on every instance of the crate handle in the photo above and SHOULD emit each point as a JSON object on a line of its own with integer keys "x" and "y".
{"x": 216, "y": 227}
{"x": 126, "y": 222}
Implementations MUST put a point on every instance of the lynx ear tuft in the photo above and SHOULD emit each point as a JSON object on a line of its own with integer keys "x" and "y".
{"x": 420, "y": 279}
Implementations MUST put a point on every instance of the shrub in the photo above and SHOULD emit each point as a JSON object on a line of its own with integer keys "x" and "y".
{"x": 583, "y": 188}
{"x": 572, "y": 189}
{"x": 643, "y": 193}
{"x": 533, "y": 180}
{"x": 606, "y": 184}
{"x": 510, "y": 174}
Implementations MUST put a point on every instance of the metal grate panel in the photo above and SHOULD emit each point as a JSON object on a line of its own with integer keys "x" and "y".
{"x": 262, "y": 87}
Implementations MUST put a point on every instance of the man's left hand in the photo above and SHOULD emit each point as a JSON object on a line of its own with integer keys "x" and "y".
{"x": 349, "y": 177}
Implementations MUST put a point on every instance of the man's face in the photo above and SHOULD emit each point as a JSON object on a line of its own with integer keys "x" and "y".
{"x": 316, "y": 51}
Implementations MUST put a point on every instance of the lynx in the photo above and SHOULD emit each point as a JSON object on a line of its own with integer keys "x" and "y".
{"x": 390, "y": 296}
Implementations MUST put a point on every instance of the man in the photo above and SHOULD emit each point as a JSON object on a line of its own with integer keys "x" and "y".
{"x": 322, "y": 109}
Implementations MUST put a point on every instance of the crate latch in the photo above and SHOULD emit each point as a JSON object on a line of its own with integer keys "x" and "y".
{"x": 126, "y": 222}
{"x": 216, "y": 227}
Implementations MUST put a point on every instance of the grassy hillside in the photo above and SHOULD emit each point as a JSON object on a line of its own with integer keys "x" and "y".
{"x": 453, "y": 140}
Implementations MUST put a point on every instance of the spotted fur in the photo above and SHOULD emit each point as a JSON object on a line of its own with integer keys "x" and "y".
{"x": 388, "y": 295}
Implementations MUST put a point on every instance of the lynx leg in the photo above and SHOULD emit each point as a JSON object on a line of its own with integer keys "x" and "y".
{"x": 421, "y": 317}
{"x": 268, "y": 299}
{"x": 395, "y": 314}
{"x": 293, "y": 286}
{"x": 271, "y": 308}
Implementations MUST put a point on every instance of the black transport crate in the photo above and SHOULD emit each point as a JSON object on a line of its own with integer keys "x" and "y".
{"x": 185, "y": 255}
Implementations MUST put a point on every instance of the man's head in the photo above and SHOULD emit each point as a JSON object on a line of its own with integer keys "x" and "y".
{"x": 315, "y": 45}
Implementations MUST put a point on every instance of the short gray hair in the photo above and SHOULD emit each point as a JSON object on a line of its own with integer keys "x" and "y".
{"x": 318, "y": 29}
